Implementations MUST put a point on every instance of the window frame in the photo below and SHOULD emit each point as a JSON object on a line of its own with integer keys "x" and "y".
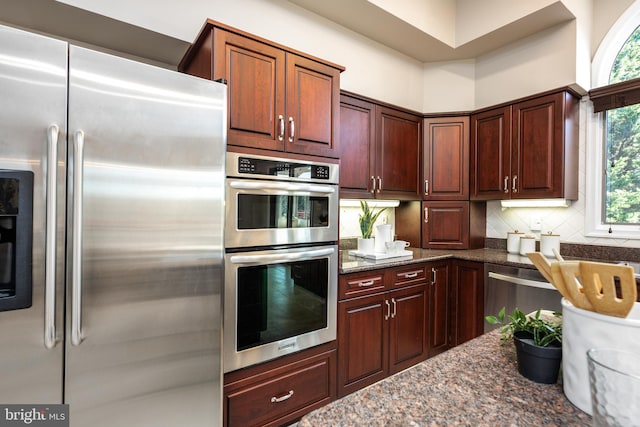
{"x": 596, "y": 131}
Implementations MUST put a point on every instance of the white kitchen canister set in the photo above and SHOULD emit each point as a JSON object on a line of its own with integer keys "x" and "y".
{"x": 521, "y": 243}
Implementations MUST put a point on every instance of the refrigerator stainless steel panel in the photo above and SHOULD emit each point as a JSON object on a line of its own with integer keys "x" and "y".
{"x": 145, "y": 254}
{"x": 33, "y": 90}
{"x": 125, "y": 322}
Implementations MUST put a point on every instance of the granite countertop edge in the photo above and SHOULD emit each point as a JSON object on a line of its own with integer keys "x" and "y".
{"x": 354, "y": 264}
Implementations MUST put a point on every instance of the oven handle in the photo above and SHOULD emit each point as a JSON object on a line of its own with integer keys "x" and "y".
{"x": 264, "y": 259}
{"x": 521, "y": 281}
{"x": 244, "y": 185}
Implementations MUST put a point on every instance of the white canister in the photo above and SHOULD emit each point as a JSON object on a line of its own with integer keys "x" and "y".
{"x": 549, "y": 242}
{"x": 527, "y": 244}
{"x": 513, "y": 241}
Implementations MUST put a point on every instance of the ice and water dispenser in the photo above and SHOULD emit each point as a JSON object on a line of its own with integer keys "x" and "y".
{"x": 16, "y": 237}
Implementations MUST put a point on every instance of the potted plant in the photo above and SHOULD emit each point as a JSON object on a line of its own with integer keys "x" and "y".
{"x": 367, "y": 219}
{"x": 538, "y": 342}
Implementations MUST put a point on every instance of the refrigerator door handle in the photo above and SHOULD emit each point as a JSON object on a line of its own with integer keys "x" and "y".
{"x": 76, "y": 254}
{"x": 51, "y": 238}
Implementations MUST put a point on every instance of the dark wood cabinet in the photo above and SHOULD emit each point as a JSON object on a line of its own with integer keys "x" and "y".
{"x": 528, "y": 149}
{"x": 439, "y": 307}
{"x": 380, "y": 333}
{"x": 446, "y": 158}
{"x": 453, "y": 224}
{"x": 278, "y": 99}
{"x": 398, "y": 148}
{"x": 380, "y": 149}
{"x": 357, "y": 147}
{"x": 281, "y": 391}
{"x": 467, "y": 308}
{"x": 491, "y": 154}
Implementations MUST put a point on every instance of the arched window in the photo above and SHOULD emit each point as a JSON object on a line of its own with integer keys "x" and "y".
{"x": 613, "y": 150}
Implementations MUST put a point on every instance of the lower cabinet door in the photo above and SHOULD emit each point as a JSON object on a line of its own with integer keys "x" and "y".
{"x": 408, "y": 327}
{"x": 362, "y": 342}
{"x": 439, "y": 308}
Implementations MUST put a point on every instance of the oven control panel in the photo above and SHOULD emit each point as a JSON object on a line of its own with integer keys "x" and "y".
{"x": 277, "y": 168}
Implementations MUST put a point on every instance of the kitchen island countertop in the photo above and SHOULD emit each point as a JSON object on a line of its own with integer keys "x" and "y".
{"x": 475, "y": 384}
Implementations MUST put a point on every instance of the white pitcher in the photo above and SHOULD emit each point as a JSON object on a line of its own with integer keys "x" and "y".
{"x": 384, "y": 234}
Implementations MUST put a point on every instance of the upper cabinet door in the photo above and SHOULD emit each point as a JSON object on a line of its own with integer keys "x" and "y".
{"x": 491, "y": 154}
{"x": 446, "y": 159}
{"x": 398, "y": 154}
{"x": 538, "y": 148}
{"x": 357, "y": 148}
{"x": 313, "y": 107}
{"x": 255, "y": 74}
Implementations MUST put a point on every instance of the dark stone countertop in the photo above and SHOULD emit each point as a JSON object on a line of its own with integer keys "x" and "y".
{"x": 352, "y": 264}
{"x": 474, "y": 384}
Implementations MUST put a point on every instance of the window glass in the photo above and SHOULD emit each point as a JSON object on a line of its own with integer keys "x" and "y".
{"x": 622, "y": 151}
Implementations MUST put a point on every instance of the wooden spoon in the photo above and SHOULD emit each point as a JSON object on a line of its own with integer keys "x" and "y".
{"x": 542, "y": 264}
{"x": 599, "y": 287}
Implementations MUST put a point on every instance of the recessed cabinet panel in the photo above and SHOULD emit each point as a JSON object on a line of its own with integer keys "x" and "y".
{"x": 255, "y": 81}
{"x": 313, "y": 99}
{"x": 357, "y": 152}
{"x": 398, "y": 153}
{"x": 446, "y": 158}
{"x": 490, "y": 155}
{"x": 537, "y": 148}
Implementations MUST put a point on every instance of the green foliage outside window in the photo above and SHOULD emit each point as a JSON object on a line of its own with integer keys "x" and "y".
{"x": 622, "y": 182}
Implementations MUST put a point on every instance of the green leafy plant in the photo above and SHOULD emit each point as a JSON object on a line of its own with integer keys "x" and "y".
{"x": 367, "y": 218}
{"x": 545, "y": 331}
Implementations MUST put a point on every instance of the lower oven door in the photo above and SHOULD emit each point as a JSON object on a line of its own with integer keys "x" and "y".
{"x": 278, "y": 302}
{"x": 513, "y": 287}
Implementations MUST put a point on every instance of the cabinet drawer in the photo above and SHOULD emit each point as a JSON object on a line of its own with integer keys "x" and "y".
{"x": 409, "y": 275}
{"x": 291, "y": 391}
{"x": 357, "y": 284}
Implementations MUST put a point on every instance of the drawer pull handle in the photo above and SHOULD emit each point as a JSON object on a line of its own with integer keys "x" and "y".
{"x": 411, "y": 275}
{"x": 282, "y": 398}
{"x": 368, "y": 283}
{"x": 506, "y": 184}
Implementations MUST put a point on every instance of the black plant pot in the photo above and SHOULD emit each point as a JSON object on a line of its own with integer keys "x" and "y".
{"x": 539, "y": 364}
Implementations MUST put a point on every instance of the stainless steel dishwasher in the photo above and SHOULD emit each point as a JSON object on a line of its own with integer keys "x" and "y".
{"x": 511, "y": 287}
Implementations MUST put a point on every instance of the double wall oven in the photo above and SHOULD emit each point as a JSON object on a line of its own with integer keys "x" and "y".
{"x": 281, "y": 257}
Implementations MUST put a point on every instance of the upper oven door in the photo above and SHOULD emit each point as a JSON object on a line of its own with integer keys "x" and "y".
{"x": 272, "y": 213}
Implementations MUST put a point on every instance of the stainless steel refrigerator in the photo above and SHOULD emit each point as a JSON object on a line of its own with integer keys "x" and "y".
{"x": 123, "y": 316}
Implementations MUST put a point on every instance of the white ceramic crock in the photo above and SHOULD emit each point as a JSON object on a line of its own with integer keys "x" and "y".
{"x": 583, "y": 330}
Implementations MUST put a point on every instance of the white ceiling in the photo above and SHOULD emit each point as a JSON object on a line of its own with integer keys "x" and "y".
{"x": 376, "y": 23}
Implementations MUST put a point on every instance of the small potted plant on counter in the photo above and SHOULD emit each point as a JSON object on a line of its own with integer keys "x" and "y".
{"x": 367, "y": 219}
{"x": 538, "y": 342}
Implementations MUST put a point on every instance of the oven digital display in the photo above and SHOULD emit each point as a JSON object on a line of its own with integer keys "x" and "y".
{"x": 266, "y": 167}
